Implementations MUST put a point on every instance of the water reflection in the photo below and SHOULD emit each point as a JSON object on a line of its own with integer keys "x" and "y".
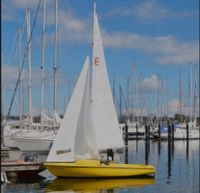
{"x": 23, "y": 186}
{"x": 169, "y": 159}
{"x": 97, "y": 185}
{"x": 187, "y": 149}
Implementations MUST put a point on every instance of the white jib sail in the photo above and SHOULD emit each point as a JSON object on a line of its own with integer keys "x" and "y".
{"x": 104, "y": 114}
{"x": 63, "y": 149}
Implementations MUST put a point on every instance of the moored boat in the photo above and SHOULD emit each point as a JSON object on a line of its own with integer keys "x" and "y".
{"x": 90, "y": 125}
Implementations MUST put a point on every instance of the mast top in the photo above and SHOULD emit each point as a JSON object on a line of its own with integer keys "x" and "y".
{"x": 95, "y": 8}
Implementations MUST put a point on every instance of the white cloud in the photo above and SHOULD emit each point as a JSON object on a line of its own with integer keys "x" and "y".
{"x": 150, "y": 84}
{"x": 173, "y": 106}
{"x": 22, "y": 4}
{"x": 10, "y": 9}
{"x": 10, "y": 75}
{"x": 168, "y": 50}
{"x": 150, "y": 10}
{"x": 73, "y": 28}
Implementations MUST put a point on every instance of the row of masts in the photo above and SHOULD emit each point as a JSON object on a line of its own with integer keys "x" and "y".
{"x": 42, "y": 65}
{"x": 192, "y": 93}
{"x": 132, "y": 104}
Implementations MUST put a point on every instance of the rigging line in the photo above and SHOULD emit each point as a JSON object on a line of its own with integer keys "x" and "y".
{"x": 16, "y": 51}
{"x": 23, "y": 26}
{"x": 13, "y": 45}
{"x": 125, "y": 104}
{"x": 25, "y": 54}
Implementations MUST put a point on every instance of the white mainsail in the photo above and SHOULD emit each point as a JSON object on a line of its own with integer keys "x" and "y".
{"x": 70, "y": 143}
{"x": 104, "y": 114}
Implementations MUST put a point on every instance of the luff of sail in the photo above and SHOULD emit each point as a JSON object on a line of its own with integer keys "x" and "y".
{"x": 63, "y": 149}
{"x": 103, "y": 109}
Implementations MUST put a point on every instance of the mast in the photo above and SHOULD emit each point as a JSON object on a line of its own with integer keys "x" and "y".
{"x": 132, "y": 98}
{"x": 20, "y": 81}
{"x": 2, "y": 112}
{"x": 158, "y": 99}
{"x": 2, "y": 89}
{"x": 42, "y": 64}
{"x": 29, "y": 66}
{"x": 120, "y": 103}
{"x": 128, "y": 98}
{"x": 195, "y": 92}
{"x": 191, "y": 93}
{"x": 180, "y": 93}
{"x": 55, "y": 58}
{"x": 136, "y": 97}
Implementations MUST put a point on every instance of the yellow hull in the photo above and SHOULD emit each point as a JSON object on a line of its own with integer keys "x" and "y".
{"x": 92, "y": 184}
{"x": 93, "y": 168}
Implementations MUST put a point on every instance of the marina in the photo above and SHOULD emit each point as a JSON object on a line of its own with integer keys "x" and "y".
{"x": 86, "y": 115}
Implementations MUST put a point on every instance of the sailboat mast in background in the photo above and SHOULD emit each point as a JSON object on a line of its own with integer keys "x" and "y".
{"x": 42, "y": 64}
{"x": 20, "y": 80}
{"x": 180, "y": 93}
{"x": 55, "y": 59}
{"x": 29, "y": 66}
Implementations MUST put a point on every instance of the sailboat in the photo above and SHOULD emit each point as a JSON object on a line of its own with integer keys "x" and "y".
{"x": 90, "y": 125}
{"x": 38, "y": 136}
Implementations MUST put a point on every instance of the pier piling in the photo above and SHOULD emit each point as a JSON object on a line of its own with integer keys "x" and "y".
{"x": 172, "y": 143}
{"x": 147, "y": 132}
{"x": 187, "y": 132}
{"x": 169, "y": 131}
{"x": 136, "y": 131}
{"x": 147, "y": 144}
{"x": 187, "y": 140}
{"x": 159, "y": 131}
{"x": 126, "y": 134}
{"x": 126, "y": 154}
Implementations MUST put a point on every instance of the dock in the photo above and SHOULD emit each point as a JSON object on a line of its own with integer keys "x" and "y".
{"x": 5, "y": 152}
{"x": 20, "y": 168}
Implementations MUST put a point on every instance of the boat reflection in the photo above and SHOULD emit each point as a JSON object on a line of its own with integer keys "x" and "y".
{"x": 95, "y": 184}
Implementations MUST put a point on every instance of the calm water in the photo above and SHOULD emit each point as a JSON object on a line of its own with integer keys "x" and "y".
{"x": 177, "y": 172}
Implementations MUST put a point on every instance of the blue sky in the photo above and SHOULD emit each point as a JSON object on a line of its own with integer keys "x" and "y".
{"x": 159, "y": 37}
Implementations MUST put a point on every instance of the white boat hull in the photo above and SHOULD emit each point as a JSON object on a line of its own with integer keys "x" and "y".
{"x": 8, "y": 142}
{"x": 180, "y": 134}
{"x": 34, "y": 144}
